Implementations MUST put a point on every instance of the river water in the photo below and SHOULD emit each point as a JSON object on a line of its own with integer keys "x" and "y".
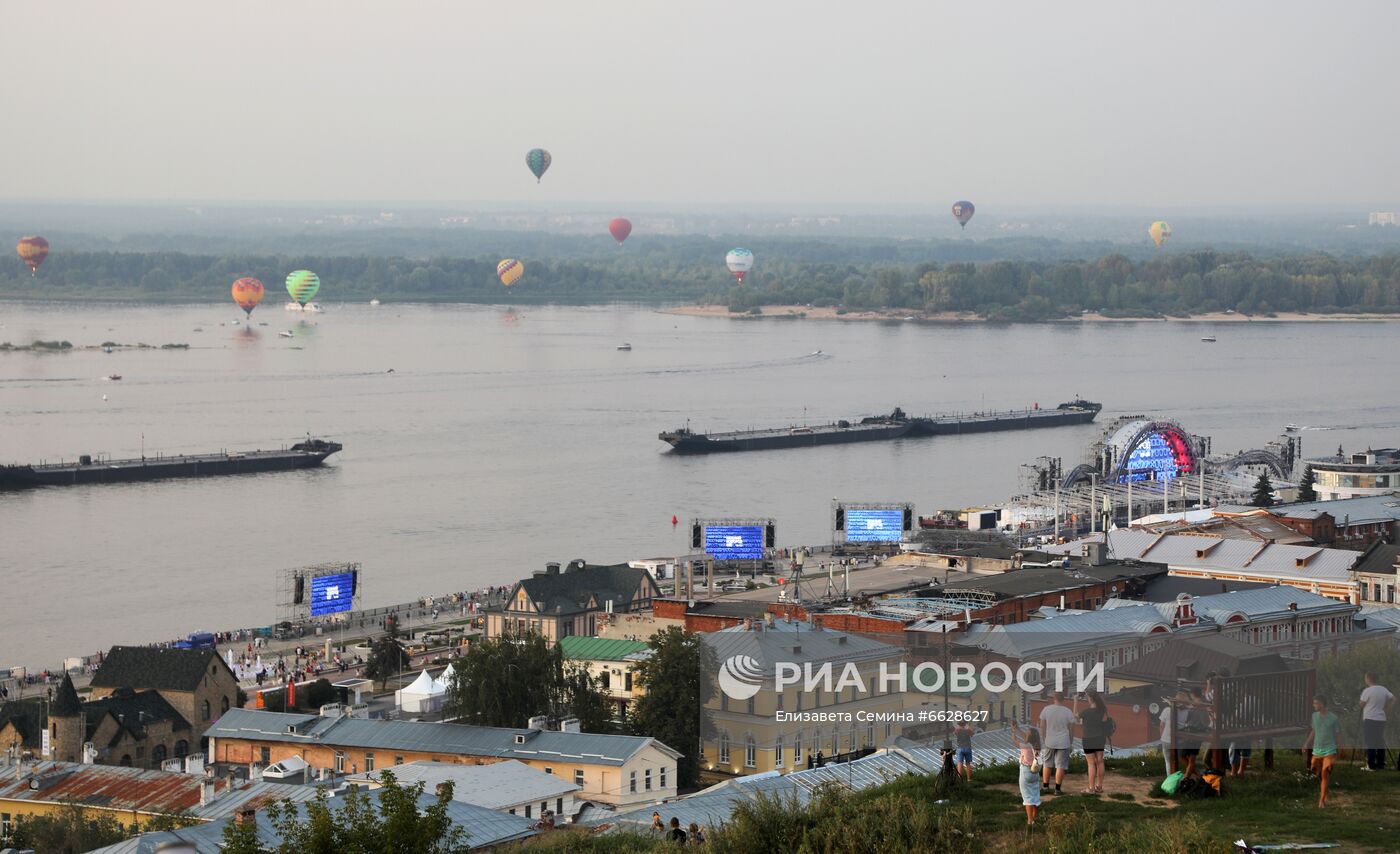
{"x": 499, "y": 442}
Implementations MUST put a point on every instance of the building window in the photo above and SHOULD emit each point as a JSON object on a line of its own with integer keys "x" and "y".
{"x": 339, "y": 763}
{"x": 265, "y": 755}
{"x": 870, "y": 735}
{"x": 778, "y": 752}
{"x": 851, "y": 739}
{"x": 369, "y": 762}
{"x": 578, "y": 778}
{"x": 835, "y": 741}
{"x": 544, "y": 807}
{"x": 750, "y": 753}
{"x": 158, "y": 754}
{"x": 647, "y": 780}
{"x": 206, "y": 710}
{"x": 558, "y": 806}
{"x": 663, "y": 776}
{"x": 5, "y": 826}
{"x": 527, "y": 810}
{"x": 627, "y": 681}
{"x": 632, "y": 786}
{"x": 126, "y": 760}
{"x": 223, "y": 705}
{"x": 752, "y": 705}
{"x": 398, "y": 760}
{"x": 723, "y": 702}
{"x": 797, "y": 747}
{"x": 548, "y": 770}
{"x": 724, "y": 748}
{"x": 606, "y": 680}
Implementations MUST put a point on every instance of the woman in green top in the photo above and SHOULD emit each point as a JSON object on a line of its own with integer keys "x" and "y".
{"x": 1324, "y": 742}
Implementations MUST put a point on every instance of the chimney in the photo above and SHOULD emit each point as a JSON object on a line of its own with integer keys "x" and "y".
{"x": 540, "y": 722}
{"x": 1292, "y": 606}
{"x": 1062, "y": 601}
{"x": 206, "y": 791}
{"x": 570, "y": 725}
{"x": 245, "y": 816}
{"x": 748, "y": 624}
{"x": 551, "y": 568}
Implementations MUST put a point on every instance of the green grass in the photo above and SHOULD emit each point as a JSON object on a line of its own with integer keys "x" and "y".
{"x": 986, "y": 817}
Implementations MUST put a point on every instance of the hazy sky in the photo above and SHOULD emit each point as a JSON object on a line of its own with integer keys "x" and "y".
{"x": 1171, "y": 105}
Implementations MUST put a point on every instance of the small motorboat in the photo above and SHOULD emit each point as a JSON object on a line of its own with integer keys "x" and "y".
{"x": 817, "y": 353}
{"x": 106, "y": 349}
{"x": 374, "y": 302}
{"x": 1291, "y": 428}
{"x": 627, "y": 347}
{"x": 1209, "y": 339}
{"x": 112, "y": 377}
{"x": 287, "y": 334}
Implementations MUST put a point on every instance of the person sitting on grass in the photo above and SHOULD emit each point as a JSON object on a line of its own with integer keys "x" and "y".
{"x": 1029, "y": 745}
{"x": 1324, "y": 743}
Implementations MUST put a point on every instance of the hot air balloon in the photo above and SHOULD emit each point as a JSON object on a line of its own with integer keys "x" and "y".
{"x": 963, "y": 211}
{"x": 32, "y": 251}
{"x": 740, "y": 261}
{"x": 248, "y": 292}
{"x": 538, "y": 160}
{"x": 510, "y": 271}
{"x": 620, "y": 228}
{"x": 1160, "y": 231}
{"x": 303, "y": 285}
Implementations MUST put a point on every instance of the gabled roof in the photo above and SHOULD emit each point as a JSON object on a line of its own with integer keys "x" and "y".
{"x": 1379, "y": 559}
{"x": 599, "y": 649}
{"x": 498, "y": 785}
{"x": 1192, "y": 658}
{"x": 65, "y": 700}
{"x": 1206, "y": 553}
{"x": 133, "y": 711}
{"x": 446, "y": 739}
{"x": 28, "y": 719}
{"x": 1362, "y": 510}
{"x": 571, "y": 591}
{"x": 161, "y": 669}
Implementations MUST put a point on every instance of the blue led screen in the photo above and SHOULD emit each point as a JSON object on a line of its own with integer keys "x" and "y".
{"x": 331, "y": 594}
{"x": 1161, "y": 456}
{"x": 734, "y": 542}
{"x": 874, "y": 526}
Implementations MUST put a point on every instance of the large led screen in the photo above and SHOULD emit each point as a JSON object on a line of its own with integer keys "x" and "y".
{"x": 734, "y": 542}
{"x": 874, "y": 526}
{"x": 331, "y": 594}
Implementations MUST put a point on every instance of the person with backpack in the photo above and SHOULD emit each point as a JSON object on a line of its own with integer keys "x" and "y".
{"x": 1095, "y": 723}
{"x": 1029, "y": 745}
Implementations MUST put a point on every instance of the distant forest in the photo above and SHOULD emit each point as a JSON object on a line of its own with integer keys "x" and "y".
{"x": 796, "y": 273}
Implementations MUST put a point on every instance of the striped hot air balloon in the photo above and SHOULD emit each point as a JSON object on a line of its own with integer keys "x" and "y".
{"x": 510, "y": 271}
{"x": 248, "y": 292}
{"x": 1159, "y": 232}
{"x": 302, "y": 285}
{"x": 32, "y": 250}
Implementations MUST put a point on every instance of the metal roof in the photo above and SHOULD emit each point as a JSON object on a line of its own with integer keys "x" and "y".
{"x": 1362, "y": 510}
{"x": 814, "y": 645}
{"x": 1207, "y": 553}
{"x": 499, "y": 785}
{"x": 423, "y": 737}
{"x": 599, "y": 649}
{"x": 483, "y": 828}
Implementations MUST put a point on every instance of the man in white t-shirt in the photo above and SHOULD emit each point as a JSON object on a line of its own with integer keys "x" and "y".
{"x": 1056, "y": 725}
{"x": 1376, "y": 700}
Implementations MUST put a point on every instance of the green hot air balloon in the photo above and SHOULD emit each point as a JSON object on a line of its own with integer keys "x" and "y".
{"x": 303, "y": 285}
{"x": 538, "y": 160}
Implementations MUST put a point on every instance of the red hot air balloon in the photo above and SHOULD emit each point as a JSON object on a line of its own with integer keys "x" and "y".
{"x": 32, "y": 251}
{"x": 620, "y": 228}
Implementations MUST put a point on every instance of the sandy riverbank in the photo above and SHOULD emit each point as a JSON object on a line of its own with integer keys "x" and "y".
{"x": 828, "y": 313}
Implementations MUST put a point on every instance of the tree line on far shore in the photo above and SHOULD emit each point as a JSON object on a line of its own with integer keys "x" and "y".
{"x": 1172, "y": 284}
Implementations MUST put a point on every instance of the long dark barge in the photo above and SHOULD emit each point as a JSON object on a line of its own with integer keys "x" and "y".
{"x": 307, "y": 454}
{"x": 896, "y": 425}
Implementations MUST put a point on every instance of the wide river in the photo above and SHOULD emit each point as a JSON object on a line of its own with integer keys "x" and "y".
{"x": 499, "y": 442}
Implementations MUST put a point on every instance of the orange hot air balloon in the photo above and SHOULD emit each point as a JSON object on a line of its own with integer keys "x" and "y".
{"x": 248, "y": 292}
{"x": 32, "y": 251}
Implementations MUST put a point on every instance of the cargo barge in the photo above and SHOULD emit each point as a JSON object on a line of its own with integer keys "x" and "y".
{"x": 896, "y": 425}
{"x": 307, "y": 454}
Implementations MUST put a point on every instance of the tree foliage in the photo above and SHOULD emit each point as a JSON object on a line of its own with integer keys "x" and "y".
{"x": 70, "y": 829}
{"x": 677, "y": 679}
{"x": 1307, "y": 487}
{"x": 387, "y": 658}
{"x": 1263, "y": 495}
{"x": 389, "y": 819}
{"x": 869, "y": 275}
{"x": 508, "y": 680}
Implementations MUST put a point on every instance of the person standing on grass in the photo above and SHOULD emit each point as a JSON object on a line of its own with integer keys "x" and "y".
{"x": 1376, "y": 702}
{"x": 1029, "y": 745}
{"x": 1323, "y": 741}
{"x": 1095, "y": 737}
{"x": 1057, "y": 722}
{"x": 962, "y": 737}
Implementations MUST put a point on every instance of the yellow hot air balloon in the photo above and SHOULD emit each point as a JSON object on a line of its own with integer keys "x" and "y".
{"x": 510, "y": 271}
{"x": 1160, "y": 232}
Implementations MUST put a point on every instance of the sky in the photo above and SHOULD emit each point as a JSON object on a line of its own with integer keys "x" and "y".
{"x": 1181, "y": 105}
